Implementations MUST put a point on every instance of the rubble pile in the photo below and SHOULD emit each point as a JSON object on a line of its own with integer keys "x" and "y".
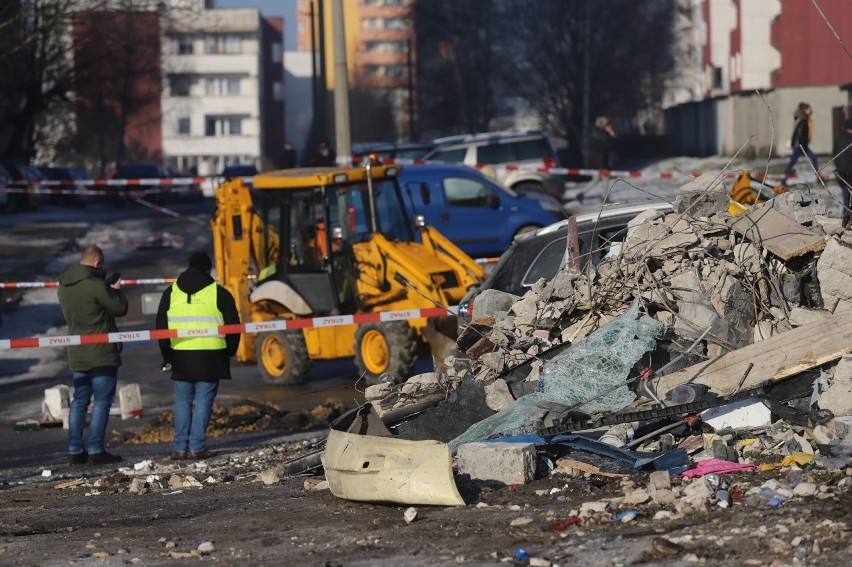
{"x": 246, "y": 415}
{"x": 712, "y": 286}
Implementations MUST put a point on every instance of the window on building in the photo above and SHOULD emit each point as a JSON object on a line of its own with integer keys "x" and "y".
{"x": 395, "y": 24}
{"x": 277, "y": 91}
{"x": 222, "y": 43}
{"x": 394, "y": 70}
{"x": 717, "y": 77}
{"x": 276, "y": 53}
{"x": 183, "y": 126}
{"x": 221, "y": 86}
{"x": 184, "y": 45}
{"x": 384, "y": 46}
{"x": 371, "y": 23}
{"x": 223, "y": 126}
{"x": 179, "y": 85}
{"x": 300, "y": 27}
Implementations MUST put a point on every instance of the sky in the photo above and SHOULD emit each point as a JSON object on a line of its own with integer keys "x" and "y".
{"x": 282, "y": 8}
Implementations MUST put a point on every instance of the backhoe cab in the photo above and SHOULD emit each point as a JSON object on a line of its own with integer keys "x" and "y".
{"x": 333, "y": 242}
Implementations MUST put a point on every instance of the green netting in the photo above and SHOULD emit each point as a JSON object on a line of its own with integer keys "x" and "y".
{"x": 594, "y": 365}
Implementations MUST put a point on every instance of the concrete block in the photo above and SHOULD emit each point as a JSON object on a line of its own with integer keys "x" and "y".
{"x": 834, "y": 272}
{"x": 57, "y": 400}
{"x": 506, "y": 463}
{"x": 130, "y": 401}
{"x": 838, "y": 396}
{"x": 492, "y": 301}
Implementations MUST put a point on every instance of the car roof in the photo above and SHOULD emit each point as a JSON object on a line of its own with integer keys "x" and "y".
{"x": 615, "y": 210}
{"x": 489, "y": 136}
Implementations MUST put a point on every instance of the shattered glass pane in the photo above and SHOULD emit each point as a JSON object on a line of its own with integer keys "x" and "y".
{"x": 588, "y": 368}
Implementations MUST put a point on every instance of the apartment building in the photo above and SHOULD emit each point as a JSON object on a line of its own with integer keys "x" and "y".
{"x": 223, "y": 98}
{"x": 379, "y": 44}
{"x": 744, "y": 65}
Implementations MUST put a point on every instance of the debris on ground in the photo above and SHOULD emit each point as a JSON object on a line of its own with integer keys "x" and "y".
{"x": 246, "y": 415}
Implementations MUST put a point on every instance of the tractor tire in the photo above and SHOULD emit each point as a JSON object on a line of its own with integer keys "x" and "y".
{"x": 282, "y": 357}
{"x": 385, "y": 348}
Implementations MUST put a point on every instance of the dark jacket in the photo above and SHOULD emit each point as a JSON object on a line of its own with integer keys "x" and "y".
{"x": 600, "y": 147}
{"x": 90, "y": 306}
{"x": 199, "y": 365}
{"x": 801, "y": 133}
{"x": 843, "y": 161}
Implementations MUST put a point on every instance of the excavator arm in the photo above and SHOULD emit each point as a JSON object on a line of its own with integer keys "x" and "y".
{"x": 242, "y": 247}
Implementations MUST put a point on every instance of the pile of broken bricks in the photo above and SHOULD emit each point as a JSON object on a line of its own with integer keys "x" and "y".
{"x": 744, "y": 303}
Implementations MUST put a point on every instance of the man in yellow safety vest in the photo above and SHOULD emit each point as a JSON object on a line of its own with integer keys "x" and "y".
{"x": 197, "y": 361}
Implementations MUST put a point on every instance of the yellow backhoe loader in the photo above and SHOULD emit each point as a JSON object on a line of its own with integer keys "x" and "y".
{"x": 305, "y": 243}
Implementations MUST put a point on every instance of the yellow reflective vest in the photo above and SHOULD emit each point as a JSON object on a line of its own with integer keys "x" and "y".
{"x": 194, "y": 311}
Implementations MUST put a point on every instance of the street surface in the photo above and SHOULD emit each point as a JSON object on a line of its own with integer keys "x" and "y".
{"x": 239, "y": 508}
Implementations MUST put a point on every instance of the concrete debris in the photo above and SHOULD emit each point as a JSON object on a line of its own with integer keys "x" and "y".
{"x": 247, "y": 415}
{"x": 754, "y": 303}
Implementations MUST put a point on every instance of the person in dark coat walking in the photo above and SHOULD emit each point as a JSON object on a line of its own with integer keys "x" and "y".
{"x": 90, "y": 305}
{"x": 800, "y": 141}
{"x": 843, "y": 163}
{"x": 197, "y": 363}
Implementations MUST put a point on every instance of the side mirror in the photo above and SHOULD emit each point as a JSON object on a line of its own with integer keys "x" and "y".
{"x": 424, "y": 193}
{"x": 419, "y": 221}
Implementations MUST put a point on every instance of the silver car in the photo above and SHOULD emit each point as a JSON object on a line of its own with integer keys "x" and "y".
{"x": 493, "y": 151}
{"x": 539, "y": 254}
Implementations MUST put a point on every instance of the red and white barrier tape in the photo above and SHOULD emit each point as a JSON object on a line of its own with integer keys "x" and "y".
{"x": 277, "y": 325}
{"x": 141, "y": 281}
{"x": 595, "y": 172}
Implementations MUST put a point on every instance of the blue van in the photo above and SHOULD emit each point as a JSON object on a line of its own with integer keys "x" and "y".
{"x": 477, "y": 214}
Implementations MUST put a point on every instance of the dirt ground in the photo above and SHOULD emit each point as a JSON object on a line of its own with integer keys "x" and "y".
{"x": 91, "y": 516}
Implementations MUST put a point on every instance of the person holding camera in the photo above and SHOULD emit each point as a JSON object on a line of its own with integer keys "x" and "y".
{"x": 90, "y": 304}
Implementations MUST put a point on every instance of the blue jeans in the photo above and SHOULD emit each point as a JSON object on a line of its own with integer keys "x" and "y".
{"x": 191, "y": 420}
{"x": 100, "y": 385}
{"x": 797, "y": 153}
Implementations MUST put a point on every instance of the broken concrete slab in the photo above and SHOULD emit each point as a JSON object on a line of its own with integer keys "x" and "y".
{"x": 776, "y": 357}
{"x": 834, "y": 272}
{"x": 777, "y": 233}
{"x": 703, "y": 196}
{"x": 838, "y": 397}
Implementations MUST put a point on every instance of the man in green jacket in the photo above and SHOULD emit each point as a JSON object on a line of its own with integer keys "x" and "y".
{"x": 90, "y": 305}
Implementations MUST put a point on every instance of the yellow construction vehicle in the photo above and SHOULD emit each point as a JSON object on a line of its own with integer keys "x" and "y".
{"x": 746, "y": 191}
{"x": 305, "y": 243}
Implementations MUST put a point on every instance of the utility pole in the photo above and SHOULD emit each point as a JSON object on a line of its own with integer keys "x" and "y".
{"x": 412, "y": 134}
{"x": 323, "y": 81}
{"x": 343, "y": 136}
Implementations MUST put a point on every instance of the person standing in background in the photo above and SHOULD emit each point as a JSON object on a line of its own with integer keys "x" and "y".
{"x": 324, "y": 156}
{"x": 288, "y": 159}
{"x": 601, "y": 143}
{"x": 197, "y": 363}
{"x": 800, "y": 140}
{"x": 90, "y": 304}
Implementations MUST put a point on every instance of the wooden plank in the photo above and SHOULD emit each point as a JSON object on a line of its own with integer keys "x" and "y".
{"x": 777, "y": 232}
{"x": 777, "y": 357}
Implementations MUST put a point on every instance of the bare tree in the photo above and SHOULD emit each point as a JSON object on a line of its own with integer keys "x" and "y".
{"x": 458, "y": 64}
{"x": 36, "y": 75}
{"x": 576, "y": 59}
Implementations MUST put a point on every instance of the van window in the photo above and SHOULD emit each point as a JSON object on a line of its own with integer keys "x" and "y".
{"x": 461, "y": 192}
{"x": 493, "y": 153}
{"x": 531, "y": 149}
{"x": 450, "y": 156}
